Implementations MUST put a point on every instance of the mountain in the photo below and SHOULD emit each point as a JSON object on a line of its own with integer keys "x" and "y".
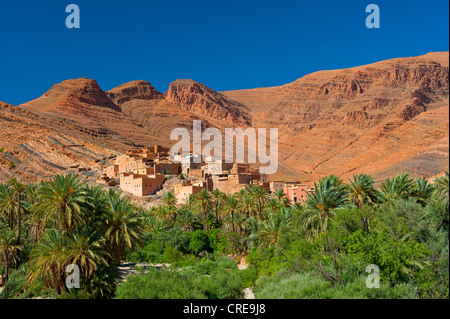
{"x": 202, "y": 100}
{"x": 383, "y": 118}
{"x": 42, "y": 145}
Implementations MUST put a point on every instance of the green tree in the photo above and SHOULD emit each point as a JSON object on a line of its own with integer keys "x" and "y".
{"x": 9, "y": 250}
{"x": 205, "y": 200}
{"x": 169, "y": 199}
{"x": 48, "y": 260}
{"x": 124, "y": 228}
{"x": 330, "y": 194}
{"x": 362, "y": 190}
{"x": 422, "y": 191}
{"x": 232, "y": 206}
{"x": 86, "y": 249}
{"x": 61, "y": 202}
{"x": 398, "y": 187}
{"x": 18, "y": 190}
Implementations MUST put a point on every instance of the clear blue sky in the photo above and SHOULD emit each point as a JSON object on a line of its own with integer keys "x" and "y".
{"x": 225, "y": 44}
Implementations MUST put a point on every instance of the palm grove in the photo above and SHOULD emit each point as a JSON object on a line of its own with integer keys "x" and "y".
{"x": 317, "y": 250}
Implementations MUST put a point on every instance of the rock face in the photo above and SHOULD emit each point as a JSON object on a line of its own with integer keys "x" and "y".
{"x": 202, "y": 100}
{"x": 41, "y": 145}
{"x": 135, "y": 90}
{"x": 380, "y": 118}
{"x": 68, "y": 94}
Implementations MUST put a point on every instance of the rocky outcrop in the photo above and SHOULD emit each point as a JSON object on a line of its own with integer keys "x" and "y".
{"x": 380, "y": 119}
{"x": 202, "y": 100}
{"x": 72, "y": 94}
{"x": 135, "y": 90}
{"x": 332, "y": 121}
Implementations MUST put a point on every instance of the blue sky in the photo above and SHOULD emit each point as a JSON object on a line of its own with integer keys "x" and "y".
{"x": 225, "y": 44}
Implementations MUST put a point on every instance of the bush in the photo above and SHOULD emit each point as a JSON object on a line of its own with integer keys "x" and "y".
{"x": 309, "y": 286}
{"x": 399, "y": 260}
{"x": 249, "y": 276}
{"x": 295, "y": 286}
{"x": 222, "y": 284}
{"x": 158, "y": 284}
{"x": 199, "y": 242}
{"x": 217, "y": 279}
{"x": 175, "y": 238}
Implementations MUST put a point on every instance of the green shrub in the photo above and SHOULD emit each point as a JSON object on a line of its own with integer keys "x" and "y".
{"x": 158, "y": 284}
{"x": 309, "y": 286}
{"x": 199, "y": 242}
{"x": 294, "y": 286}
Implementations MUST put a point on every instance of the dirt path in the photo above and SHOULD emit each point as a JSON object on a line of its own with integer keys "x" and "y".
{"x": 248, "y": 293}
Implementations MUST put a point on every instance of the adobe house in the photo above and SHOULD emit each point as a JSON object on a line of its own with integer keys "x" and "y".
{"x": 106, "y": 180}
{"x": 167, "y": 167}
{"x": 234, "y": 178}
{"x": 144, "y": 171}
{"x": 141, "y": 185}
{"x": 296, "y": 192}
{"x": 112, "y": 171}
{"x": 186, "y": 188}
{"x": 276, "y": 185}
{"x": 189, "y": 165}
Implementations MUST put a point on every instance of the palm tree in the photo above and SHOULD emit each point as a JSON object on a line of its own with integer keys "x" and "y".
{"x": 279, "y": 194}
{"x": 362, "y": 190}
{"x": 217, "y": 195}
{"x": 35, "y": 228}
{"x": 273, "y": 205}
{"x": 48, "y": 260}
{"x": 95, "y": 208}
{"x": 8, "y": 205}
{"x": 18, "y": 189}
{"x": 260, "y": 196}
{"x": 232, "y": 205}
{"x": 86, "y": 250}
{"x": 442, "y": 192}
{"x": 124, "y": 228}
{"x": 190, "y": 202}
{"x": 286, "y": 201}
{"x": 275, "y": 224}
{"x": 205, "y": 201}
{"x": 168, "y": 213}
{"x": 9, "y": 249}
{"x": 247, "y": 203}
{"x": 169, "y": 199}
{"x": 330, "y": 194}
{"x": 399, "y": 187}
{"x": 442, "y": 188}
{"x": 61, "y": 201}
{"x": 187, "y": 220}
{"x": 422, "y": 191}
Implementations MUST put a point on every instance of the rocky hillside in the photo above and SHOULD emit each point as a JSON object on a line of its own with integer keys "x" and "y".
{"x": 381, "y": 119}
{"x": 202, "y": 100}
{"x": 34, "y": 145}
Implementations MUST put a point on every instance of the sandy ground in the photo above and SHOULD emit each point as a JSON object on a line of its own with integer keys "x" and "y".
{"x": 248, "y": 293}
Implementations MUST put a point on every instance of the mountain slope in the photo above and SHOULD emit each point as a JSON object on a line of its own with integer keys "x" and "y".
{"x": 381, "y": 118}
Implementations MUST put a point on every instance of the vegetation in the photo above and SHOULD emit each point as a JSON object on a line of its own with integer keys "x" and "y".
{"x": 319, "y": 249}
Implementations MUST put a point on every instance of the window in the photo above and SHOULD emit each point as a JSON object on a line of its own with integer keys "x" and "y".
{"x": 295, "y": 199}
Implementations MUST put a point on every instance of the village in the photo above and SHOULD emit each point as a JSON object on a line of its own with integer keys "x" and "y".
{"x": 144, "y": 172}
